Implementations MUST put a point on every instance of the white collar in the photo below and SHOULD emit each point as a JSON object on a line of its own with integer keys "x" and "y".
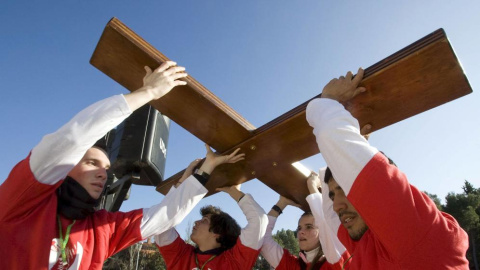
{"x": 310, "y": 255}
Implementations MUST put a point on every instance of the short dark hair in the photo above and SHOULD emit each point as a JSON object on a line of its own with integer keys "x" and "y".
{"x": 390, "y": 161}
{"x": 328, "y": 175}
{"x": 307, "y": 213}
{"x": 328, "y": 172}
{"x": 223, "y": 224}
{"x": 102, "y": 144}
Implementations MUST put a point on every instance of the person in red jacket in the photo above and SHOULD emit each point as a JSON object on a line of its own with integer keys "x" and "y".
{"x": 319, "y": 246}
{"x": 383, "y": 220}
{"x": 48, "y": 218}
{"x": 220, "y": 243}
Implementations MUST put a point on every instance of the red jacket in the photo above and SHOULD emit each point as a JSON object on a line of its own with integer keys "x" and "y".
{"x": 406, "y": 230}
{"x": 29, "y": 230}
{"x": 290, "y": 262}
{"x": 30, "y": 233}
{"x": 180, "y": 255}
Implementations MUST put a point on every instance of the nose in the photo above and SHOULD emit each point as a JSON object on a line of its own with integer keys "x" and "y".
{"x": 102, "y": 173}
{"x": 339, "y": 204}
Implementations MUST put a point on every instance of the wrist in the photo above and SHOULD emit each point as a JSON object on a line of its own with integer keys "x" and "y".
{"x": 152, "y": 92}
{"x": 312, "y": 188}
{"x": 203, "y": 173}
{"x": 277, "y": 209}
{"x": 207, "y": 167}
{"x": 281, "y": 204}
{"x": 147, "y": 89}
{"x": 236, "y": 194}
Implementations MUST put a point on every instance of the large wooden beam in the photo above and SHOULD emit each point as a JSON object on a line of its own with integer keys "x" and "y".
{"x": 417, "y": 78}
{"x": 122, "y": 54}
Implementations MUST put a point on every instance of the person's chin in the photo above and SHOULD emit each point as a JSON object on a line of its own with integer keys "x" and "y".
{"x": 95, "y": 195}
{"x": 305, "y": 247}
{"x": 356, "y": 232}
{"x": 192, "y": 237}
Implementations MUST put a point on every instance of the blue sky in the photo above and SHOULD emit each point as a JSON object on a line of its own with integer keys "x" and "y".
{"x": 262, "y": 58}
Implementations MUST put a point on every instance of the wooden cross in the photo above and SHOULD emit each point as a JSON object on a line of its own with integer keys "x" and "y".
{"x": 417, "y": 78}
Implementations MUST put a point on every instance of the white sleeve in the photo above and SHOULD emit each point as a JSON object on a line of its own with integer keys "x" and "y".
{"x": 331, "y": 246}
{"x": 271, "y": 250}
{"x": 171, "y": 191}
{"x": 338, "y": 137}
{"x": 57, "y": 153}
{"x": 252, "y": 235}
{"x": 329, "y": 215}
{"x": 332, "y": 219}
{"x": 166, "y": 238}
{"x": 173, "y": 209}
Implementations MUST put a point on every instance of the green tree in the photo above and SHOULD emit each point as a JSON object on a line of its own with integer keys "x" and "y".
{"x": 286, "y": 239}
{"x": 152, "y": 261}
{"x": 436, "y": 200}
{"x": 465, "y": 208}
{"x": 119, "y": 261}
{"x": 148, "y": 258}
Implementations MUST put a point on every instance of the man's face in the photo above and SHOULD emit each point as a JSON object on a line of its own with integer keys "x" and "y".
{"x": 307, "y": 233}
{"x": 91, "y": 171}
{"x": 201, "y": 231}
{"x": 349, "y": 217}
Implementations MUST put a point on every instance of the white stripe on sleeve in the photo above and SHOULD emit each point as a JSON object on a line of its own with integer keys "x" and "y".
{"x": 57, "y": 153}
{"x": 338, "y": 137}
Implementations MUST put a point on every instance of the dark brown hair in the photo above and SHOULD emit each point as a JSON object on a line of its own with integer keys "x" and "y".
{"x": 222, "y": 224}
{"x": 328, "y": 172}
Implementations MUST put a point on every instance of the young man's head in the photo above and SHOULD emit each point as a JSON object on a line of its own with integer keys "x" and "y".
{"x": 216, "y": 229}
{"x": 348, "y": 215}
{"x": 91, "y": 171}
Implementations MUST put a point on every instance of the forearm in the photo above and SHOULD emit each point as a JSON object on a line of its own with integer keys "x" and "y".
{"x": 139, "y": 97}
{"x": 236, "y": 194}
{"x": 331, "y": 246}
{"x": 379, "y": 188}
{"x": 59, "y": 152}
{"x": 173, "y": 208}
{"x": 312, "y": 188}
{"x": 252, "y": 235}
{"x": 271, "y": 250}
{"x": 338, "y": 137}
{"x": 166, "y": 238}
{"x": 281, "y": 204}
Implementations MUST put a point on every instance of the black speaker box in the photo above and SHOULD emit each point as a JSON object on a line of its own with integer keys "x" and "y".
{"x": 139, "y": 146}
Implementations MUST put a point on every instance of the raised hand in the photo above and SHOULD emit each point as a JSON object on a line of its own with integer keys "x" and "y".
{"x": 234, "y": 191}
{"x": 280, "y": 205}
{"x": 212, "y": 159}
{"x": 284, "y": 202}
{"x": 188, "y": 171}
{"x": 313, "y": 183}
{"x": 160, "y": 81}
{"x": 365, "y": 131}
{"x": 156, "y": 84}
{"x": 344, "y": 88}
{"x": 229, "y": 189}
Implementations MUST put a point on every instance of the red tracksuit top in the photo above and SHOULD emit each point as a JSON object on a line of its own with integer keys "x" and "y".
{"x": 406, "y": 230}
{"x": 30, "y": 233}
{"x": 181, "y": 256}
